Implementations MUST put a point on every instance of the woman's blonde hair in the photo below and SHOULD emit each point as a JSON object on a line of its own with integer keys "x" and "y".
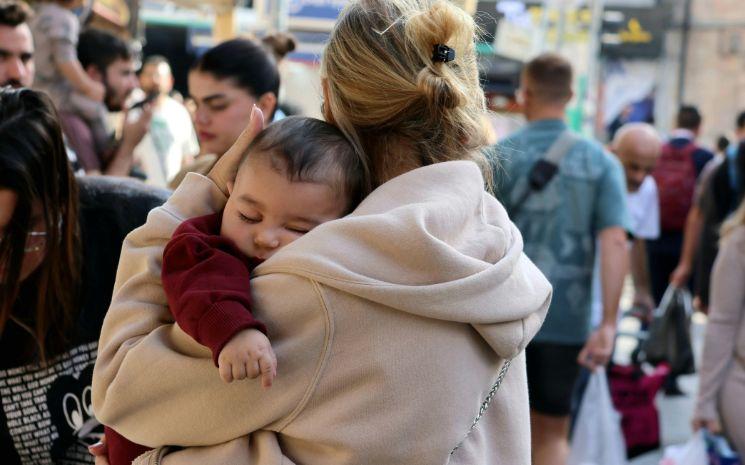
{"x": 384, "y": 89}
{"x": 735, "y": 220}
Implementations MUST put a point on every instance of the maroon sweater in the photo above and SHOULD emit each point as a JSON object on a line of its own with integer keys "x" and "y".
{"x": 206, "y": 280}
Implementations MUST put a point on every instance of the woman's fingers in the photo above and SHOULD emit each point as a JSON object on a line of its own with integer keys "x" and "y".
{"x": 255, "y": 125}
{"x": 713, "y": 426}
{"x": 100, "y": 451}
{"x": 226, "y": 167}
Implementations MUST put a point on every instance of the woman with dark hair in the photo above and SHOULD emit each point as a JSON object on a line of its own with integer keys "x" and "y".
{"x": 225, "y": 83}
{"x": 59, "y": 248}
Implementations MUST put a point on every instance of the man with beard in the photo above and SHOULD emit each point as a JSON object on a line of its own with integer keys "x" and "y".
{"x": 108, "y": 60}
{"x": 17, "y": 68}
{"x": 16, "y": 45}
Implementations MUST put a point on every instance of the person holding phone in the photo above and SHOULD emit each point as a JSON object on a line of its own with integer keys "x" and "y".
{"x": 171, "y": 141}
{"x": 107, "y": 59}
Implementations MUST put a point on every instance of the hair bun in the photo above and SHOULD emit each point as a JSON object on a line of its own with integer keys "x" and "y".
{"x": 280, "y": 44}
{"x": 438, "y": 92}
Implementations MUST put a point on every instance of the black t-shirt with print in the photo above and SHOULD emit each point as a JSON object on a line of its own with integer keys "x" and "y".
{"x": 45, "y": 412}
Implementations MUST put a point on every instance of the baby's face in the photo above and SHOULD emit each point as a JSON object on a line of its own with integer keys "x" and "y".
{"x": 266, "y": 211}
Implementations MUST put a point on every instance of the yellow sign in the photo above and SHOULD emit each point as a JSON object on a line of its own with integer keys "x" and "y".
{"x": 635, "y": 33}
{"x": 576, "y": 23}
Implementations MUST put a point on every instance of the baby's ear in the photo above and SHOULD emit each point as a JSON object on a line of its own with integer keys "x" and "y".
{"x": 230, "y": 187}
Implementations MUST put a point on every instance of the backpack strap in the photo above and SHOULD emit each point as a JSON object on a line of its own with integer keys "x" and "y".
{"x": 544, "y": 170}
{"x": 560, "y": 148}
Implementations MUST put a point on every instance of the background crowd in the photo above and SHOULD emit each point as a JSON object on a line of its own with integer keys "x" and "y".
{"x": 93, "y": 137}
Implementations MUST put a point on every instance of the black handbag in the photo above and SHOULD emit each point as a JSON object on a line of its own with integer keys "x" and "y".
{"x": 669, "y": 338}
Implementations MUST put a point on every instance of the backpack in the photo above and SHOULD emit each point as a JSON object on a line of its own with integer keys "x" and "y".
{"x": 675, "y": 175}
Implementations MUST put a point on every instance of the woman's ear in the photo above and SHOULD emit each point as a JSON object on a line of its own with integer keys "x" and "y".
{"x": 267, "y": 103}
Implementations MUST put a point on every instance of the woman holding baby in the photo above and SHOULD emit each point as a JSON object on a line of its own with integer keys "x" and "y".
{"x": 389, "y": 325}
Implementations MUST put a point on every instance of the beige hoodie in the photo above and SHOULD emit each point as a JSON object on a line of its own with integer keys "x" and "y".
{"x": 390, "y": 326}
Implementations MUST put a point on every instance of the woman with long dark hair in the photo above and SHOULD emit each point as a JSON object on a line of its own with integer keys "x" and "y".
{"x": 39, "y": 221}
{"x": 225, "y": 83}
{"x": 59, "y": 247}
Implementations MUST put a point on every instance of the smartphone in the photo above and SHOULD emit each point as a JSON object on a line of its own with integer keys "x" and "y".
{"x": 148, "y": 99}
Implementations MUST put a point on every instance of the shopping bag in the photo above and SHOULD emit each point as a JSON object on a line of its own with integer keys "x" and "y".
{"x": 720, "y": 452}
{"x": 669, "y": 338}
{"x": 597, "y": 438}
{"x": 691, "y": 453}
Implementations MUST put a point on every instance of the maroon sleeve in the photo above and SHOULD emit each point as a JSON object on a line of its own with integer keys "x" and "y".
{"x": 206, "y": 280}
{"x": 121, "y": 451}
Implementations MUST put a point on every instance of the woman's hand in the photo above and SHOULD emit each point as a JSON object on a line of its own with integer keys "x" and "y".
{"x": 711, "y": 425}
{"x": 100, "y": 452}
{"x": 227, "y": 165}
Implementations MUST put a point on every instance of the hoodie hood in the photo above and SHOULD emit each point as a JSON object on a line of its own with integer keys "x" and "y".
{"x": 430, "y": 242}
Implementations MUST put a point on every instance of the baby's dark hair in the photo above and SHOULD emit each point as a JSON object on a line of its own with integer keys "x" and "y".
{"x": 310, "y": 150}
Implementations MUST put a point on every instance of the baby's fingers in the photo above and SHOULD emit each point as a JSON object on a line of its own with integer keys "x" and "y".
{"x": 239, "y": 371}
{"x": 268, "y": 366}
{"x": 252, "y": 368}
{"x": 226, "y": 372}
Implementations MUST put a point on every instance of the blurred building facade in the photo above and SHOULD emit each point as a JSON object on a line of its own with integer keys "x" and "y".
{"x": 713, "y": 75}
{"x": 637, "y": 59}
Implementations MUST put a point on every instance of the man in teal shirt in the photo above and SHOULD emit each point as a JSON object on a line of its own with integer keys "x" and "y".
{"x": 584, "y": 204}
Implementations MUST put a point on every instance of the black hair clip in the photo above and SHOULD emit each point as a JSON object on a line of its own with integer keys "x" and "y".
{"x": 442, "y": 53}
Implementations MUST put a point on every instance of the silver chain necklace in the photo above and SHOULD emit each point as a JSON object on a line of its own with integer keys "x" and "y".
{"x": 485, "y": 404}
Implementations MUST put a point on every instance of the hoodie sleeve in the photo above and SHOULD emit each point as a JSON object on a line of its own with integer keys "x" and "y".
{"x": 157, "y": 386}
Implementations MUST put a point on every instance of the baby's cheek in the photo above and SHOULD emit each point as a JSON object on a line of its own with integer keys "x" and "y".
{"x": 238, "y": 232}
{"x": 291, "y": 237}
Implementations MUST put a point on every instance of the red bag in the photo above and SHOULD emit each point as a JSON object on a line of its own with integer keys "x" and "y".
{"x": 675, "y": 175}
{"x": 633, "y": 393}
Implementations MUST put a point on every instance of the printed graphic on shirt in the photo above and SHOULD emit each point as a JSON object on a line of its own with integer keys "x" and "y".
{"x": 49, "y": 411}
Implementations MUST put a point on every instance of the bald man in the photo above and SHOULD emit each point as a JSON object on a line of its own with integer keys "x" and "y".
{"x": 638, "y": 147}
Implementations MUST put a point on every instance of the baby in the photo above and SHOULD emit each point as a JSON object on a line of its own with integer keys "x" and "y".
{"x": 297, "y": 173}
{"x": 56, "y": 28}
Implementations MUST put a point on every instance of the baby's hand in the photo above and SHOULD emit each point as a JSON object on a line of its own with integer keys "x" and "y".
{"x": 96, "y": 91}
{"x": 248, "y": 355}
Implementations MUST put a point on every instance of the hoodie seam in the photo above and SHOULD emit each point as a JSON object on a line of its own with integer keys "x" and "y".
{"x": 315, "y": 274}
{"x": 295, "y": 270}
{"x": 522, "y": 336}
{"x": 168, "y": 205}
{"x": 322, "y": 361}
{"x": 166, "y": 208}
